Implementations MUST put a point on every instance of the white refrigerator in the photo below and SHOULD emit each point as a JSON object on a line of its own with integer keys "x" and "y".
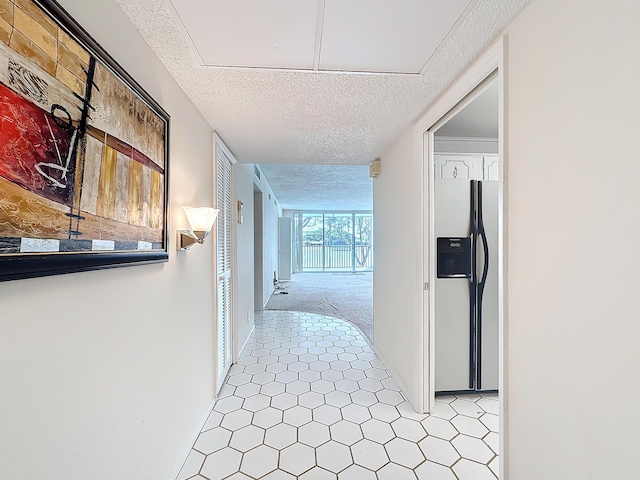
{"x": 466, "y": 287}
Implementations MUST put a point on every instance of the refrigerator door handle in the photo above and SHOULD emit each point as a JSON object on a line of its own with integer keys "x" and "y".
{"x": 473, "y": 283}
{"x": 481, "y": 284}
{"x": 485, "y": 245}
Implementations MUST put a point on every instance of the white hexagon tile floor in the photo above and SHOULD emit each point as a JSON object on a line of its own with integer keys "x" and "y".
{"x": 309, "y": 399}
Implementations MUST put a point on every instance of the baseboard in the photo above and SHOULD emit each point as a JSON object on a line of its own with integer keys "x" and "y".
{"x": 268, "y": 298}
{"x": 246, "y": 340}
{"x": 194, "y": 439}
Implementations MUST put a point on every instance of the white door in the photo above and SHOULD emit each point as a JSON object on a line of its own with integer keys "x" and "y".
{"x": 284, "y": 248}
{"x": 224, "y": 262}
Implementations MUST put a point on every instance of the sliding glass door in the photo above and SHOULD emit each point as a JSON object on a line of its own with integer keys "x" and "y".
{"x": 337, "y": 242}
{"x": 363, "y": 241}
{"x": 312, "y": 250}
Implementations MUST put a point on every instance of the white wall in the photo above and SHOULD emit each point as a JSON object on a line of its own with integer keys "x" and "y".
{"x": 106, "y": 375}
{"x": 573, "y": 73}
{"x": 244, "y": 301}
{"x": 397, "y": 276}
{"x": 572, "y": 76}
{"x": 271, "y": 212}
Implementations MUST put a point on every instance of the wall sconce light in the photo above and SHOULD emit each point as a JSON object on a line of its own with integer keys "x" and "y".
{"x": 375, "y": 168}
{"x": 201, "y": 220}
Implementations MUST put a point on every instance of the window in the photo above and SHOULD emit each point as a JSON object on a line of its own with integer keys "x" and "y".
{"x": 333, "y": 241}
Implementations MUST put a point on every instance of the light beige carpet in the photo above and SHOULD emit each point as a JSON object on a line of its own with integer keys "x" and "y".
{"x": 344, "y": 295}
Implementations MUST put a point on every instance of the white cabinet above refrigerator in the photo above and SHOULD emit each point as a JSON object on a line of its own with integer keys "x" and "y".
{"x": 466, "y": 167}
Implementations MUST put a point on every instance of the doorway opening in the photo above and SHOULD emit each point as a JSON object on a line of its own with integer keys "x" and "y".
{"x": 324, "y": 239}
{"x": 465, "y": 191}
{"x": 459, "y": 155}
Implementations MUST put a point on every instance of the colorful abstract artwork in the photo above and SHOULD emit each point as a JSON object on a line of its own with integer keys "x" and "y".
{"x": 83, "y": 151}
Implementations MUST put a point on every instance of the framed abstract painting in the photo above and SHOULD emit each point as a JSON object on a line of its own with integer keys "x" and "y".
{"x": 83, "y": 151}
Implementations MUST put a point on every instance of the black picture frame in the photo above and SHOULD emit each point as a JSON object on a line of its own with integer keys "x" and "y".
{"x": 19, "y": 265}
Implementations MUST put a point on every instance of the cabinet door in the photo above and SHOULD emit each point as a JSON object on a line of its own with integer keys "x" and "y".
{"x": 491, "y": 168}
{"x": 459, "y": 167}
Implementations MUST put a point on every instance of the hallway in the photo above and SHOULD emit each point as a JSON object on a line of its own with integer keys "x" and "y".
{"x": 309, "y": 399}
{"x": 348, "y": 296}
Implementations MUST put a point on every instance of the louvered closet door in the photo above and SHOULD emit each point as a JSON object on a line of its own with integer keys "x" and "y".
{"x": 223, "y": 199}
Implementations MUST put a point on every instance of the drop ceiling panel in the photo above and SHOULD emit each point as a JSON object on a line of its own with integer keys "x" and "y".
{"x": 385, "y": 36}
{"x": 250, "y": 33}
{"x": 297, "y": 117}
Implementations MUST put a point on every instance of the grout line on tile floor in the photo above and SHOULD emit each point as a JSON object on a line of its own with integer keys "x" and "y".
{"x": 310, "y": 399}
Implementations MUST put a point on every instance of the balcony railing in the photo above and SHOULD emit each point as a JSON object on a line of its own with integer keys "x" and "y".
{"x": 337, "y": 257}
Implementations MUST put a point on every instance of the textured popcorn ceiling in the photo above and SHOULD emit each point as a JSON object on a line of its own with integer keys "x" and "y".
{"x": 321, "y": 187}
{"x": 316, "y": 118}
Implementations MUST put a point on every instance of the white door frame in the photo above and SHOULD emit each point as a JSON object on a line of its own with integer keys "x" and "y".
{"x": 423, "y": 133}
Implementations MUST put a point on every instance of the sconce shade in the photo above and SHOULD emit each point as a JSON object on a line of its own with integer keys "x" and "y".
{"x": 201, "y": 218}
